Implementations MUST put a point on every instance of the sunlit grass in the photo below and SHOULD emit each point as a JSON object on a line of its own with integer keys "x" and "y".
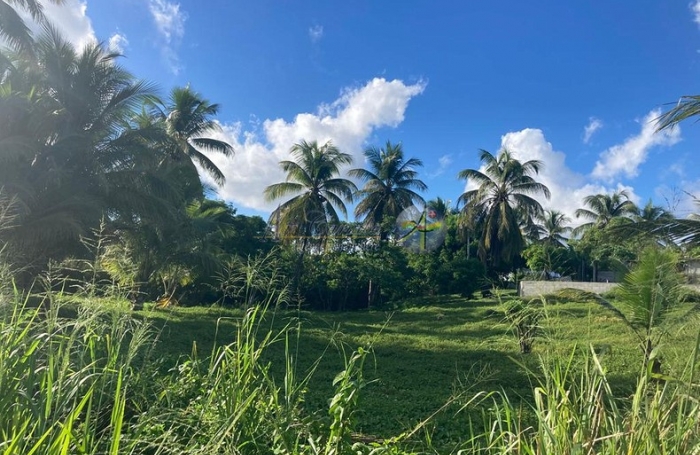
{"x": 202, "y": 380}
{"x": 423, "y": 355}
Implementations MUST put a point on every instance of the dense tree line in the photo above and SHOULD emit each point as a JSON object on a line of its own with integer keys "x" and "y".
{"x": 95, "y": 163}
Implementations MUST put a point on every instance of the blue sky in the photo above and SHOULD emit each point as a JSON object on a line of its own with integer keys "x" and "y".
{"x": 575, "y": 84}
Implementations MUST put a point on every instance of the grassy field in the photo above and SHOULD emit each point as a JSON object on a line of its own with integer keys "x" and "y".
{"x": 428, "y": 353}
{"x": 87, "y": 375}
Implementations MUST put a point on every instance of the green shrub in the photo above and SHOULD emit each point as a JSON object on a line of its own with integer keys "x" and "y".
{"x": 524, "y": 319}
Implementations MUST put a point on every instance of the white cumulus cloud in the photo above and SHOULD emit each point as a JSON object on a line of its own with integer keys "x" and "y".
{"x": 170, "y": 23}
{"x": 70, "y": 18}
{"x": 695, "y": 8}
{"x": 117, "y": 42}
{"x": 594, "y": 124}
{"x": 625, "y": 158}
{"x": 316, "y": 33}
{"x": 348, "y": 122}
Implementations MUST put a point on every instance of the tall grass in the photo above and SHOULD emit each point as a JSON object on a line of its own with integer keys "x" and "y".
{"x": 64, "y": 382}
{"x": 77, "y": 378}
{"x": 80, "y": 380}
{"x": 576, "y": 412}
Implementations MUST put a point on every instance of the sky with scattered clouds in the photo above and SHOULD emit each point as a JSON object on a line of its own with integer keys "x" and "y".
{"x": 575, "y": 85}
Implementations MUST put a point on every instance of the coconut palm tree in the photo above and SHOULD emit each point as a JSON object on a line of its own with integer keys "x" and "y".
{"x": 649, "y": 293}
{"x": 188, "y": 119}
{"x": 552, "y": 227}
{"x": 504, "y": 196}
{"x": 653, "y": 213}
{"x": 318, "y": 193}
{"x": 68, "y": 155}
{"x": 13, "y": 28}
{"x": 602, "y": 208}
{"x": 389, "y": 186}
{"x": 441, "y": 207}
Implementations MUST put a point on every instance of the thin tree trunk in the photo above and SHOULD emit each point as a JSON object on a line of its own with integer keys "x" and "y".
{"x": 595, "y": 272}
{"x": 369, "y": 294}
{"x": 299, "y": 269}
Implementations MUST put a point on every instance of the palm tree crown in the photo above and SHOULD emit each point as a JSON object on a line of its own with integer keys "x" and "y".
{"x": 69, "y": 153}
{"x": 188, "y": 119}
{"x": 503, "y": 198}
{"x": 389, "y": 186}
{"x": 441, "y": 207}
{"x": 318, "y": 191}
{"x": 604, "y": 207}
{"x": 552, "y": 227}
{"x": 13, "y": 29}
{"x": 651, "y": 212}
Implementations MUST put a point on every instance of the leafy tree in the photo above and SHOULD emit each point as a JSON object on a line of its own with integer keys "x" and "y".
{"x": 185, "y": 252}
{"x": 461, "y": 275}
{"x": 318, "y": 193}
{"x": 609, "y": 247}
{"x": 551, "y": 257}
{"x": 504, "y": 197}
{"x": 389, "y": 186}
{"x": 339, "y": 281}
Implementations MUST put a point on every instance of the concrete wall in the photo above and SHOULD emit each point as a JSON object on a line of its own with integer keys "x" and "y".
{"x": 535, "y": 288}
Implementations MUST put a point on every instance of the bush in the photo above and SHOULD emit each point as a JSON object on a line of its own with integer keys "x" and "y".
{"x": 461, "y": 276}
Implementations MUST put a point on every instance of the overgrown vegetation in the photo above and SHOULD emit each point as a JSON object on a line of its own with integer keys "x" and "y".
{"x": 443, "y": 377}
{"x": 102, "y": 212}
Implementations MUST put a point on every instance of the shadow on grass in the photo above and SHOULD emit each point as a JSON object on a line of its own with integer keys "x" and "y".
{"x": 422, "y": 357}
{"x": 416, "y": 368}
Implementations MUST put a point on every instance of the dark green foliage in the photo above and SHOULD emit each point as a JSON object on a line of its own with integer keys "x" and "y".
{"x": 84, "y": 141}
{"x": 549, "y": 257}
{"x": 607, "y": 248}
{"x": 461, "y": 276}
{"x": 503, "y": 200}
{"x": 389, "y": 187}
{"x": 342, "y": 281}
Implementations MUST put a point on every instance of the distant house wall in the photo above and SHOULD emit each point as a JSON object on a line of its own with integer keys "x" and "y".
{"x": 535, "y": 288}
{"x": 692, "y": 270}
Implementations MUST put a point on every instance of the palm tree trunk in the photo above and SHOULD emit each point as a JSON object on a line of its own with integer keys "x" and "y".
{"x": 299, "y": 269}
